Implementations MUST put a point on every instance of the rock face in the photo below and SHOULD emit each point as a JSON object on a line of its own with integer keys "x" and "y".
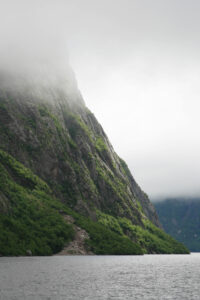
{"x": 78, "y": 245}
{"x": 52, "y": 132}
{"x": 63, "y": 189}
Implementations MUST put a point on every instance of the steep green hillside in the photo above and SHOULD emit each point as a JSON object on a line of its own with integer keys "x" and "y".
{"x": 63, "y": 144}
{"x": 49, "y": 130}
{"x": 181, "y": 219}
{"x": 31, "y": 219}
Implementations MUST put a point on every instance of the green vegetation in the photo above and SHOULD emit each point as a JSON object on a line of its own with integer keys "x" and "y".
{"x": 123, "y": 204}
{"x": 33, "y": 221}
{"x": 48, "y": 133}
{"x": 44, "y": 112}
{"x": 109, "y": 221}
{"x": 29, "y": 122}
{"x": 181, "y": 219}
{"x": 77, "y": 127}
{"x": 159, "y": 242}
{"x": 67, "y": 150}
{"x": 104, "y": 241}
{"x": 100, "y": 145}
{"x": 150, "y": 238}
{"x": 83, "y": 126}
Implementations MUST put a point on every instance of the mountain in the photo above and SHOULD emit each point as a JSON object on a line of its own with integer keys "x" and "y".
{"x": 60, "y": 174}
{"x": 181, "y": 219}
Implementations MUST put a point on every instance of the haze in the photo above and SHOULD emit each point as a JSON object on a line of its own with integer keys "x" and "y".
{"x": 137, "y": 64}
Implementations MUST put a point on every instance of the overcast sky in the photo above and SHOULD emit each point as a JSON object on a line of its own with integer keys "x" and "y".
{"x": 137, "y": 63}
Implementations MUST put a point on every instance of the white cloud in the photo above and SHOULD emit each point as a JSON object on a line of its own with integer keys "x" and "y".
{"x": 137, "y": 64}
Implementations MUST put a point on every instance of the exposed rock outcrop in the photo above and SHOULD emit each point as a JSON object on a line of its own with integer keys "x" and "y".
{"x": 78, "y": 245}
{"x": 63, "y": 189}
{"x": 53, "y": 133}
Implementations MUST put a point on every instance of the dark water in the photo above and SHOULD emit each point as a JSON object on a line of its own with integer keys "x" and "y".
{"x": 101, "y": 277}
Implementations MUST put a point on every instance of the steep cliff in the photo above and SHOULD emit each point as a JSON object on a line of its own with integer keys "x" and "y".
{"x": 48, "y": 129}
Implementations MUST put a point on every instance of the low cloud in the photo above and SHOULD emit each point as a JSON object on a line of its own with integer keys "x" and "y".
{"x": 137, "y": 64}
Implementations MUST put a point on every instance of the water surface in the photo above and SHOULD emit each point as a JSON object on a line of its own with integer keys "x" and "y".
{"x": 100, "y": 277}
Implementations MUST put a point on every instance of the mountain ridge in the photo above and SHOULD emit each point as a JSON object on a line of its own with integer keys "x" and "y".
{"x": 52, "y": 133}
{"x": 180, "y": 218}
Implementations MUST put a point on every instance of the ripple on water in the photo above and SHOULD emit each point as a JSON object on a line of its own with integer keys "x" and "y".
{"x": 146, "y": 277}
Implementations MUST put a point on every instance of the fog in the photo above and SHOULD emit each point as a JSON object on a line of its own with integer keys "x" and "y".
{"x": 137, "y": 64}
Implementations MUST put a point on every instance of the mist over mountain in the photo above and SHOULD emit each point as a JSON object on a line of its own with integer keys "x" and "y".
{"x": 134, "y": 60}
{"x": 61, "y": 182}
{"x": 59, "y": 171}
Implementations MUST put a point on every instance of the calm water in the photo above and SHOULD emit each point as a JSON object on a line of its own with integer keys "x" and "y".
{"x": 101, "y": 277}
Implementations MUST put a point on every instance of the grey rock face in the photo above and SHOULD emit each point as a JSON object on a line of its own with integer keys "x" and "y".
{"x": 54, "y": 134}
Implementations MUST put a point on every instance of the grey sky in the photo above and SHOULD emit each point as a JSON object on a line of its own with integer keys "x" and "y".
{"x": 137, "y": 64}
